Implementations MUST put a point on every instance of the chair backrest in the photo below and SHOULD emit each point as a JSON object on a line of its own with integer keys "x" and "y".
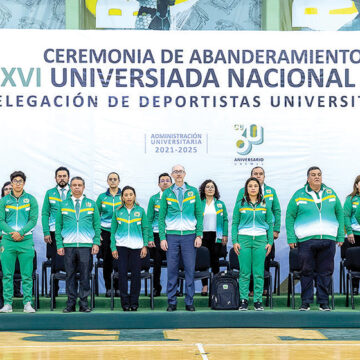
{"x": 49, "y": 251}
{"x": 145, "y": 262}
{"x": 223, "y": 252}
{"x": 234, "y": 260}
{"x": 352, "y": 261}
{"x": 294, "y": 260}
{"x": 346, "y": 245}
{"x": 202, "y": 261}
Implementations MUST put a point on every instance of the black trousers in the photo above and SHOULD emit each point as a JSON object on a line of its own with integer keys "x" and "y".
{"x": 129, "y": 261}
{"x": 317, "y": 263}
{"x": 209, "y": 241}
{"x": 158, "y": 255}
{"x": 77, "y": 258}
{"x": 51, "y": 251}
{"x": 106, "y": 255}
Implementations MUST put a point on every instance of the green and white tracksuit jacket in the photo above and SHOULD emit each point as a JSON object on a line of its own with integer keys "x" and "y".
{"x": 50, "y": 208}
{"x": 106, "y": 204}
{"x": 252, "y": 220}
{"x": 129, "y": 229}
{"x": 222, "y": 222}
{"x": 153, "y": 212}
{"x": 77, "y": 231}
{"x": 272, "y": 200}
{"x": 312, "y": 215}
{"x": 352, "y": 225}
{"x": 18, "y": 215}
{"x": 180, "y": 221}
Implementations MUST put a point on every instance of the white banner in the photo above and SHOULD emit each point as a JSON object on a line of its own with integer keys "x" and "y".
{"x": 219, "y": 103}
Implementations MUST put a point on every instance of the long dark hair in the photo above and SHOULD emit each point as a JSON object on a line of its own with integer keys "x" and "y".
{"x": 246, "y": 194}
{"x": 127, "y": 187}
{"x": 3, "y": 188}
{"x": 355, "y": 190}
{"x": 202, "y": 190}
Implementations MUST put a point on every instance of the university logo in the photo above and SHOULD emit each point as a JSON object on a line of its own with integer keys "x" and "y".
{"x": 88, "y": 204}
{"x": 136, "y": 213}
{"x": 26, "y": 201}
{"x": 250, "y": 135}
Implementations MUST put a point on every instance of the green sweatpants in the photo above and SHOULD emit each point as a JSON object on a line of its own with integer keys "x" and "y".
{"x": 252, "y": 256}
{"x": 10, "y": 250}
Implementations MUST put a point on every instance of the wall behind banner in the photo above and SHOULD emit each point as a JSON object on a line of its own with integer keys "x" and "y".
{"x": 141, "y": 142}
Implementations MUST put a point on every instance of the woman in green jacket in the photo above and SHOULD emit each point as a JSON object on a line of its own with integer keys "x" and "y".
{"x": 129, "y": 239}
{"x": 215, "y": 233}
{"x": 351, "y": 224}
{"x": 252, "y": 236}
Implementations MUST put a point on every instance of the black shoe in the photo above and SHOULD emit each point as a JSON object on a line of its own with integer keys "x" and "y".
{"x": 258, "y": 306}
{"x": 190, "y": 308}
{"x": 156, "y": 292}
{"x": 171, "y": 307}
{"x": 133, "y": 308}
{"x": 108, "y": 293}
{"x": 69, "y": 309}
{"x": 179, "y": 294}
{"x": 126, "y": 308}
{"x": 244, "y": 305}
{"x": 117, "y": 293}
{"x": 84, "y": 309}
{"x": 324, "y": 307}
{"x": 304, "y": 307}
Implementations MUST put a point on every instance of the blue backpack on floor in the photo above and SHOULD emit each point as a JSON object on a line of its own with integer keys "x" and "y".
{"x": 225, "y": 291}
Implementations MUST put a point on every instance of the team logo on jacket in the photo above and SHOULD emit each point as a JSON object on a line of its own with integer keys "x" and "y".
{"x": 191, "y": 193}
{"x": 26, "y": 201}
{"x": 328, "y": 191}
{"x": 219, "y": 206}
{"x": 88, "y": 204}
{"x": 136, "y": 213}
{"x": 268, "y": 191}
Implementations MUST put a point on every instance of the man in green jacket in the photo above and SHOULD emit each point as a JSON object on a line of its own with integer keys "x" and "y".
{"x": 51, "y": 205}
{"x": 315, "y": 223}
{"x": 180, "y": 232}
{"x": 18, "y": 217}
{"x": 77, "y": 232}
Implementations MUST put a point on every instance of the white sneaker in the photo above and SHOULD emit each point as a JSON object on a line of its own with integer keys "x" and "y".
{"x": 7, "y": 308}
{"x": 28, "y": 308}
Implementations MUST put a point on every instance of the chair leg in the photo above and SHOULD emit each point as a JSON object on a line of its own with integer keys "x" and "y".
{"x": 42, "y": 280}
{"x": 52, "y": 292}
{"x": 145, "y": 283}
{"x": 292, "y": 291}
{"x": 351, "y": 292}
{"x": 96, "y": 279}
{"x": 36, "y": 288}
{"x": 151, "y": 291}
{"x": 210, "y": 288}
{"x": 347, "y": 290}
{"x": 112, "y": 292}
{"x": 341, "y": 278}
{"x": 92, "y": 289}
{"x": 278, "y": 281}
{"x": 332, "y": 294}
{"x": 289, "y": 291}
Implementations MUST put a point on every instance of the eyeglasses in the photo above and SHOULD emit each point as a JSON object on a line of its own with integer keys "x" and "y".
{"x": 19, "y": 182}
{"x": 178, "y": 171}
{"x": 113, "y": 179}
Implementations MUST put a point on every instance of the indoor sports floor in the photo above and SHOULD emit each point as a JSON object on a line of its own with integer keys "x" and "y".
{"x": 239, "y": 343}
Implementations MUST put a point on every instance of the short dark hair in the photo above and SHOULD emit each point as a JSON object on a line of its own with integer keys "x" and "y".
{"x": 62, "y": 168}
{"x": 202, "y": 189}
{"x": 113, "y": 172}
{"x": 257, "y": 167}
{"x": 311, "y": 169}
{"x": 164, "y": 174}
{"x": 246, "y": 193}
{"x": 77, "y": 178}
{"x": 17, "y": 174}
{"x": 3, "y": 188}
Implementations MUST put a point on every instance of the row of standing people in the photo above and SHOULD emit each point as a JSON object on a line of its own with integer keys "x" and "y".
{"x": 182, "y": 220}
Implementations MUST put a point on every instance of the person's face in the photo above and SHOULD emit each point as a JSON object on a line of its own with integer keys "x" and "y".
{"x": 178, "y": 174}
{"x": 164, "y": 183}
{"x": 7, "y": 189}
{"x": 358, "y": 187}
{"x": 77, "y": 188}
{"x": 210, "y": 189}
{"x": 62, "y": 178}
{"x": 258, "y": 173}
{"x": 128, "y": 197}
{"x": 18, "y": 184}
{"x": 113, "y": 181}
{"x": 315, "y": 178}
{"x": 253, "y": 188}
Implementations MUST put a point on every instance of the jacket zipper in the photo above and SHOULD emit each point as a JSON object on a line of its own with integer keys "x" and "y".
{"x": 129, "y": 225}
{"x": 77, "y": 226}
{"x": 253, "y": 220}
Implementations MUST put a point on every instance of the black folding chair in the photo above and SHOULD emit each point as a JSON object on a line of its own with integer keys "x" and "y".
{"x": 235, "y": 267}
{"x": 342, "y": 284}
{"x": 352, "y": 263}
{"x": 222, "y": 258}
{"x": 58, "y": 273}
{"x": 44, "y": 267}
{"x": 35, "y": 278}
{"x": 276, "y": 265}
{"x": 295, "y": 274}
{"x": 145, "y": 274}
